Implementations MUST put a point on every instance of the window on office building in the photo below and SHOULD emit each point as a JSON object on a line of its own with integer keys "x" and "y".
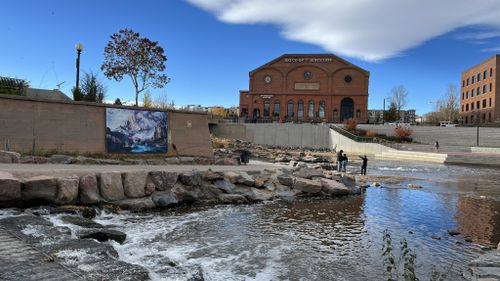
{"x": 473, "y": 77}
{"x": 463, "y": 96}
{"x": 478, "y": 77}
{"x": 484, "y": 103}
{"x": 490, "y": 102}
{"x": 491, "y": 72}
{"x": 484, "y": 74}
{"x": 484, "y": 89}
{"x": 472, "y": 93}
{"x": 491, "y": 87}
{"x": 478, "y": 104}
{"x": 467, "y": 81}
{"x": 467, "y": 107}
{"x": 467, "y": 94}
{"x": 462, "y": 108}
{"x": 478, "y": 91}
{"x": 463, "y": 83}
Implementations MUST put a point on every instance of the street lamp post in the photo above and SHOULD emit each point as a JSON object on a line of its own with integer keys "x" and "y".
{"x": 79, "y": 48}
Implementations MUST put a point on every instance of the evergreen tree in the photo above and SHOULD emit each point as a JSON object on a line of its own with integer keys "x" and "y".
{"x": 118, "y": 102}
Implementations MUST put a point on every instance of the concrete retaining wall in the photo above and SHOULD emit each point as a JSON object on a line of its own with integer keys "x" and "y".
{"x": 458, "y": 136}
{"x": 28, "y": 125}
{"x": 349, "y": 146}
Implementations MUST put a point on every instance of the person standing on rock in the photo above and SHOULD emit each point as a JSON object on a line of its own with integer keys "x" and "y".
{"x": 339, "y": 160}
{"x": 365, "y": 163}
{"x": 344, "y": 162}
{"x": 436, "y": 146}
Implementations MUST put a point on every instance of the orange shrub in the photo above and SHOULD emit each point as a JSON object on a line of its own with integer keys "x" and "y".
{"x": 371, "y": 134}
{"x": 350, "y": 124}
{"x": 402, "y": 132}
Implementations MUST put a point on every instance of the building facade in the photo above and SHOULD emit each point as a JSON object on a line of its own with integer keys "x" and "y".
{"x": 306, "y": 88}
{"x": 479, "y": 93}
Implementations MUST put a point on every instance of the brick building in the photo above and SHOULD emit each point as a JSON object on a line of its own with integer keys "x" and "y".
{"x": 479, "y": 92}
{"x": 306, "y": 87}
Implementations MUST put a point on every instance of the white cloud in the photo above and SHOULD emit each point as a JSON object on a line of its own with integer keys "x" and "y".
{"x": 494, "y": 50}
{"x": 367, "y": 29}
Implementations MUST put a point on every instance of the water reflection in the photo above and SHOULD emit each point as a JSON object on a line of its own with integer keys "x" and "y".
{"x": 479, "y": 219}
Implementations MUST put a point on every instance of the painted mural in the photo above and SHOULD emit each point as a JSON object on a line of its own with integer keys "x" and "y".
{"x": 136, "y": 131}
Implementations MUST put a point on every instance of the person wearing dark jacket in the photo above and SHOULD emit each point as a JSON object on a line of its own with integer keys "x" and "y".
{"x": 339, "y": 160}
{"x": 365, "y": 163}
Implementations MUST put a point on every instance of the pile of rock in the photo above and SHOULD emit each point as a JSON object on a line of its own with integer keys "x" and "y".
{"x": 136, "y": 190}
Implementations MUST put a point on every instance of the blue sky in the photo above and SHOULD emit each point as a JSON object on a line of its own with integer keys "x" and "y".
{"x": 211, "y": 45}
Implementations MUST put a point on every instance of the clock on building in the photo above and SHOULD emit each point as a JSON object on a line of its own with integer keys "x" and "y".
{"x": 348, "y": 78}
{"x": 307, "y": 75}
{"x": 268, "y": 79}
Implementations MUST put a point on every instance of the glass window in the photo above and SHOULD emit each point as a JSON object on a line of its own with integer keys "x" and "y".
{"x": 467, "y": 95}
{"x": 289, "y": 110}
{"x": 472, "y": 118}
{"x": 491, "y": 87}
{"x": 463, "y": 83}
{"x": 310, "y": 110}
{"x": 478, "y": 104}
{"x": 472, "y": 93}
{"x": 300, "y": 109}
{"x": 491, "y": 72}
{"x": 462, "y": 108}
{"x": 276, "y": 111}
{"x": 478, "y": 91}
{"x": 473, "y": 77}
{"x": 467, "y": 81}
{"x": 478, "y": 77}
{"x": 266, "y": 108}
{"x": 321, "y": 109}
{"x": 484, "y": 103}
{"x": 463, "y": 96}
{"x": 467, "y": 107}
{"x": 484, "y": 74}
{"x": 490, "y": 102}
{"x": 484, "y": 89}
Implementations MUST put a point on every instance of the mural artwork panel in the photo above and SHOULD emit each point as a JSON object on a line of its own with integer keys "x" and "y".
{"x": 136, "y": 131}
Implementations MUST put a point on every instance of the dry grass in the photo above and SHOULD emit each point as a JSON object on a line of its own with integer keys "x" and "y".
{"x": 220, "y": 142}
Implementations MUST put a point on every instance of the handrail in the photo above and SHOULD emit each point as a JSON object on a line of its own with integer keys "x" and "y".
{"x": 357, "y": 138}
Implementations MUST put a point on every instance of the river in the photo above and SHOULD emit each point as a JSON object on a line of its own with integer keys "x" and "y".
{"x": 326, "y": 239}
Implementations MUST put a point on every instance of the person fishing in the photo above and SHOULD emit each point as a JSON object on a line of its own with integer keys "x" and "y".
{"x": 365, "y": 163}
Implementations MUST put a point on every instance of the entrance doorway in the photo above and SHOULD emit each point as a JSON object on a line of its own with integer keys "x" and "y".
{"x": 256, "y": 115}
{"x": 346, "y": 109}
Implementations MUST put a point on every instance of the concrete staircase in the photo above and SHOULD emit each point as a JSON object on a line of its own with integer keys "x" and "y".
{"x": 412, "y": 156}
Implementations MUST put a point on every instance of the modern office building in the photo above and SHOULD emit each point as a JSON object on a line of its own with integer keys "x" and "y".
{"x": 479, "y": 92}
{"x": 308, "y": 88}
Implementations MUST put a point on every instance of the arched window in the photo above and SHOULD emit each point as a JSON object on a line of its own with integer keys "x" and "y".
{"x": 300, "y": 109}
{"x": 266, "y": 108}
{"x": 289, "y": 110}
{"x": 276, "y": 111}
{"x": 310, "y": 110}
{"x": 321, "y": 109}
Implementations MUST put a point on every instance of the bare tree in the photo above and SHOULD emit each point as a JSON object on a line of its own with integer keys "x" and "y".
{"x": 398, "y": 97}
{"x": 139, "y": 58}
{"x": 446, "y": 107}
{"x": 161, "y": 101}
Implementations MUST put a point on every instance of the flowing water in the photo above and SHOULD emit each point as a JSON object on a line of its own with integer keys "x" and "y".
{"x": 326, "y": 239}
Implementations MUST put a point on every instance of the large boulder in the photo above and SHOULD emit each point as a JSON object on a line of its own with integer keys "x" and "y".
{"x": 350, "y": 182}
{"x": 225, "y": 186}
{"x": 40, "y": 188}
{"x": 110, "y": 184}
{"x": 307, "y": 186}
{"x": 208, "y": 192}
{"x": 137, "y": 204}
{"x": 89, "y": 190}
{"x": 332, "y": 187}
{"x": 134, "y": 183}
{"x": 163, "y": 180}
{"x": 287, "y": 180}
{"x": 9, "y": 157}
{"x": 231, "y": 176}
{"x": 164, "y": 199}
{"x": 191, "y": 178}
{"x": 308, "y": 173}
{"x": 10, "y": 190}
{"x": 80, "y": 221}
{"x": 232, "y": 199}
{"x": 212, "y": 176}
{"x": 103, "y": 235}
{"x": 258, "y": 195}
{"x": 61, "y": 159}
{"x": 67, "y": 190}
{"x": 246, "y": 179}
